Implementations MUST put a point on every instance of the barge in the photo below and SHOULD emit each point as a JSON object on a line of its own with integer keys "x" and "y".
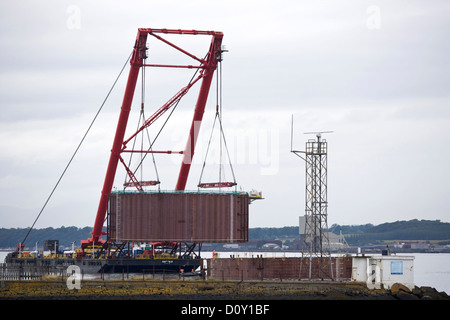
{"x": 143, "y": 258}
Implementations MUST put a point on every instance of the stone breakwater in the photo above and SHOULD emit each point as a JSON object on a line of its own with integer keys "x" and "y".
{"x": 402, "y": 292}
{"x": 208, "y": 290}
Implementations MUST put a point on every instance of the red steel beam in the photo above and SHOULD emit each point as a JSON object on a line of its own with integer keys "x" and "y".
{"x": 174, "y": 66}
{"x": 152, "y": 151}
{"x": 141, "y": 183}
{"x": 133, "y": 178}
{"x": 178, "y": 48}
{"x": 216, "y": 185}
{"x": 180, "y": 31}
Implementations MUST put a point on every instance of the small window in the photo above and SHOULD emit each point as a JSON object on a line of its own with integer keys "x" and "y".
{"x": 396, "y": 267}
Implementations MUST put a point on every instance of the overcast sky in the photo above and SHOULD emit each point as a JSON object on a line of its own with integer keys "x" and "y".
{"x": 376, "y": 73}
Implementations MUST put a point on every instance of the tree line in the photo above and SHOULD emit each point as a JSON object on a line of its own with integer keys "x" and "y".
{"x": 402, "y": 230}
{"x": 10, "y": 237}
{"x": 354, "y": 234}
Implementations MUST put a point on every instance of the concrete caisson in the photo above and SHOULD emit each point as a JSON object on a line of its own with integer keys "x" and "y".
{"x": 178, "y": 216}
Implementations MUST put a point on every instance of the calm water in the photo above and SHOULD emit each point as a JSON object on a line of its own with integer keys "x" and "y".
{"x": 430, "y": 269}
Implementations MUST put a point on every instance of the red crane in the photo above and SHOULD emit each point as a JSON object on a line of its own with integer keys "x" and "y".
{"x": 206, "y": 66}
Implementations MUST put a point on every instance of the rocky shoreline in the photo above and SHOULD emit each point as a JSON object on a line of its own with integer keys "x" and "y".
{"x": 402, "y": 292}
{"x": 209, "y": 290}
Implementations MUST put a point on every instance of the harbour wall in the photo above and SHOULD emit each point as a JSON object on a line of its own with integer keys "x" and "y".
{"x": 259, "y": 268}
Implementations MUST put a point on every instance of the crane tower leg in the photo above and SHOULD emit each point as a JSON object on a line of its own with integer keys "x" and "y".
{"x": 135, "y": 62}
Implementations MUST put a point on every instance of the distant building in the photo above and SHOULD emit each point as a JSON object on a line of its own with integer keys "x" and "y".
{"x": 231, "y": 246}
{"x": 270, "y": 246}
{"x": 333, "y": 239}
{"x": 417, "y": 245}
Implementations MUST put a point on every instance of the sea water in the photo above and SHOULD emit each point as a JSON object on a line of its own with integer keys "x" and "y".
{"x": 430, "y": 269}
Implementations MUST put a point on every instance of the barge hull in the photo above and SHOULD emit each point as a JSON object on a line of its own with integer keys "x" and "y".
{"x": 92, "y": 266}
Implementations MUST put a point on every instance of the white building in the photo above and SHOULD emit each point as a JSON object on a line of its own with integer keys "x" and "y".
{"x": 383, "y": 270}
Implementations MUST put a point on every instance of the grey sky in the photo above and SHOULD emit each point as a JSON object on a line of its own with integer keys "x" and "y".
{"x": 374, "y": 72}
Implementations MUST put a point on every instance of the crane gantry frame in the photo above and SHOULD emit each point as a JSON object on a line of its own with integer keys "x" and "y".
{"x": 206, "y": 66}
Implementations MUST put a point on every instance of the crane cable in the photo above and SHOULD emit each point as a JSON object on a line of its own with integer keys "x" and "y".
{"x": 142, "y": 116}
{"x": 218, "y": 116}
{"x": 76, "y": 150}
